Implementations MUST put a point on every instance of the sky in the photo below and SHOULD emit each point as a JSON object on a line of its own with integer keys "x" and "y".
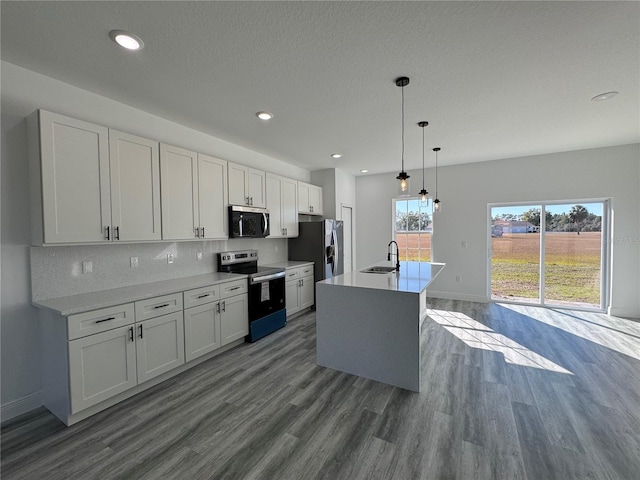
{"x": 595, "y": 208}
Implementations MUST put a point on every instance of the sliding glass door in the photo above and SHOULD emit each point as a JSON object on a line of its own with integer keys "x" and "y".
{"x": 549, "y": 253}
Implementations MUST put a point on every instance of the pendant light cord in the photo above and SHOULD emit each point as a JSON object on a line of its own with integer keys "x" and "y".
{"x": 436, "y": 174}
{"x": 423, "y": 158}
{"x": 402, "y": 89}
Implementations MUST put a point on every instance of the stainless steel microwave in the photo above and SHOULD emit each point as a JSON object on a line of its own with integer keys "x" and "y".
{"x": 248, "y": 222}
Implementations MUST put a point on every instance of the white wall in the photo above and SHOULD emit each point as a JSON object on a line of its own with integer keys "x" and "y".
{"x": 465, "y": 191}
{"x": 23, "y": 92}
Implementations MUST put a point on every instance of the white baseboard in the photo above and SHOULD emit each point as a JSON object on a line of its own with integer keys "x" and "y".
{"x": 22, "y": 405}
{"x": 457, "y": 296}
{"x": 624, "y": 313}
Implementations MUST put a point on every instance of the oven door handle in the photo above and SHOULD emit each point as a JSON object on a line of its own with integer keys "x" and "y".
{"x": 266, "y": 278}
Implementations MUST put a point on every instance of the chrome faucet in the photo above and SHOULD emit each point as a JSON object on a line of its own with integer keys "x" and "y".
{"x": 397, "y": 254}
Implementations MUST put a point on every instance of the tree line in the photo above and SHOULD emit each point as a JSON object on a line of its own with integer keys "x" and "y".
{"x": 412, "y": 221}
{"x": 579, "y": 219}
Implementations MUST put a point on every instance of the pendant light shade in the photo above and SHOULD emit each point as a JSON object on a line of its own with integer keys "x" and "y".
{"x": 423, "y": 193}
{"x": 437, "y": 204}
{"x": 403, "y": 176}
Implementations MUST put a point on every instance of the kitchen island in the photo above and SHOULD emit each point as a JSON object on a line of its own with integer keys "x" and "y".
{"x": 369, "y": 324}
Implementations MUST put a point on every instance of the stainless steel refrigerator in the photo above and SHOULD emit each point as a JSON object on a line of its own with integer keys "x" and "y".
{"x": 320, "y": 242}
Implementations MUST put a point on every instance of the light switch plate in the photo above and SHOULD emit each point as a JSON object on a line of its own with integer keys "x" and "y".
{"x": 169, "y": 257}
{"x": 134, "y": 262}
{"x": 199, "y": 256}
{"x": 87, "y": 267}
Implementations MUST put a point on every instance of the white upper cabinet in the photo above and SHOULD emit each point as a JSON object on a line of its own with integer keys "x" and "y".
{"x": 70, "y": 197}
{"x": 179, "y": 182}
{"x": 309, "y": 199}
{"x": 194, "y": 193}
{"x": 282, "y": 197}
{"x": 212, "y": 197}
{"x": 135, "y": 187}
{"x": 92, "y": 184}
{"x": 246, "y": 186}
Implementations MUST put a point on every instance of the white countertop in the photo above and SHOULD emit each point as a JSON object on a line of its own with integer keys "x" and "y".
{"x": 117, "y": 296}
{"x": 289, "y": 264}
{"x": 413, "y": 277}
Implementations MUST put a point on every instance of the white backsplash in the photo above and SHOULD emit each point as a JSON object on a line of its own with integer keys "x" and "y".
{"x": 57, "y": 271}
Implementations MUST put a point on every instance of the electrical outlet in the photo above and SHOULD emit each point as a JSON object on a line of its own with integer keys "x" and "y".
{"x": 459, "y": 278}
{"x": 134, "y": 262}
{"x": 199, "y": 256}
{"x": 169, "y": 257}
{"x": 87, "y": 267}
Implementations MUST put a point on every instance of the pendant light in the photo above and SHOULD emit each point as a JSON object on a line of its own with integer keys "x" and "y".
{"x": 403, "y": 176}
{"x": 423, "y": 193}
{"x": 436, "y": 203}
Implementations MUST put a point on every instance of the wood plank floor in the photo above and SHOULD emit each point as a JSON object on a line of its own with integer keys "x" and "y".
{"x": 509, "y": 392}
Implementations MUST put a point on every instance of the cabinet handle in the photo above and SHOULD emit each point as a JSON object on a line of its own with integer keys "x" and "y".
{"x": 202, "y": 232}
{"x": 197, "y": 232}
{"x": 286, "y": 231}
{"x": 161, "y": 306}
{"x": 224, "y": 306}
{"x": 140, "y": 327}
{"x": 105, "y": 319}
{"x": 218, "y": 307}
{"x": 311, "y": 208}
{"x": 107, "y": 230}
{"x": 204, "y": 296}
{"x": 234, "y": 288}
{"x": 302, "y": 282}
{"x": 116, "y": 233}
{"x": 131, "y": 333}
{"x": 247, "y": 200}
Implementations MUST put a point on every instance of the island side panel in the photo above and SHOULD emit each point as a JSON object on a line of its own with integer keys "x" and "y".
{"x": 370, "y": 333}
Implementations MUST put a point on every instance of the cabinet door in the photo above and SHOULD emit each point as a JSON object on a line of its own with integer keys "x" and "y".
{"x": 303, "y": 197}
{"x": 212, "y": 189}
{"x": 306, "y": 292}
{"x": 135, "y": 187}
{"x": 292, "y": 296}
{"x": 256, "y": 188}
{"x": 290, "y": 207}
{"x": 74, "y": 158}
{"x": 202, "y": 330}
{"x": 159, "y": 345}
{"x": 178, "y": 180}
{"x": 101, "y": 366}
{"x": 234, "y": 318}
{"x": 274, "y": 204}
{"x": 315, "y": 200}
{"x": 238, "y": 184}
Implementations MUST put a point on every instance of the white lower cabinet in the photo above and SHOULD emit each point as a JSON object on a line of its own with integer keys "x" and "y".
{"x": 101, "y": 366}
{"x": 92, "y": 357}
{"x": 222, "y": 320}
{"x": 202, "y": 330}
{"x": 299, "y": 288}
{"x": 159, "y": 345}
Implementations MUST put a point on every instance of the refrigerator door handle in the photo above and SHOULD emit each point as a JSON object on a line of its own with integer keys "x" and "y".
{"x": 336, "y": 253}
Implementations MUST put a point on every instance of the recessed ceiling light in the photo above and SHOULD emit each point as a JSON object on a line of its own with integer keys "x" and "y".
{"x": 336, "y": 155}
{"x": 364, "y": 170}
{"x": 604, "y": 96}
{"x": 126, "y": 40}
{"x": 264, "y": 115}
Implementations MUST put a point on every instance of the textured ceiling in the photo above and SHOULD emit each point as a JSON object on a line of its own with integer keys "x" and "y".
{"x": 494, "y": 79}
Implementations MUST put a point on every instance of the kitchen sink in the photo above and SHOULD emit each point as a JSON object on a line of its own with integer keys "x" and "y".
{"x": 379, "y": 269}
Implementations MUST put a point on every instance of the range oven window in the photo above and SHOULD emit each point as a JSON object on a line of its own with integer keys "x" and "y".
{"x": 265, "y": 298}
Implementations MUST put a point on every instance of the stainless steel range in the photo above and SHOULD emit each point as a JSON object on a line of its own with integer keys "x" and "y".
{"x": 266, "y": 291}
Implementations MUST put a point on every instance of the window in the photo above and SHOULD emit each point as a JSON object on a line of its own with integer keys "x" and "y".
{"x": 550, "y": 253}
{"x": 412, "y": 228}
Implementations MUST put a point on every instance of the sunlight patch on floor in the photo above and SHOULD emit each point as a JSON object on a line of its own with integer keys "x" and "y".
{"x": 477, "y": 335}
{"x": 616, "y": 333}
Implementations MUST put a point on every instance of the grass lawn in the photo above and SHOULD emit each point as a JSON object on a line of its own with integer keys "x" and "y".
{"x": 572, "y": 267}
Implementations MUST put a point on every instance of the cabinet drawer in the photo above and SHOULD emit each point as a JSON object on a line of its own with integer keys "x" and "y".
{"x": 200, "y": 296}
{"x": 236, "y": 287}
{"x": 306, "y": 270}
{"x": 154, "y": 307}
{"x": 292, "y": 273}
{"x": 97, "y": 321}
